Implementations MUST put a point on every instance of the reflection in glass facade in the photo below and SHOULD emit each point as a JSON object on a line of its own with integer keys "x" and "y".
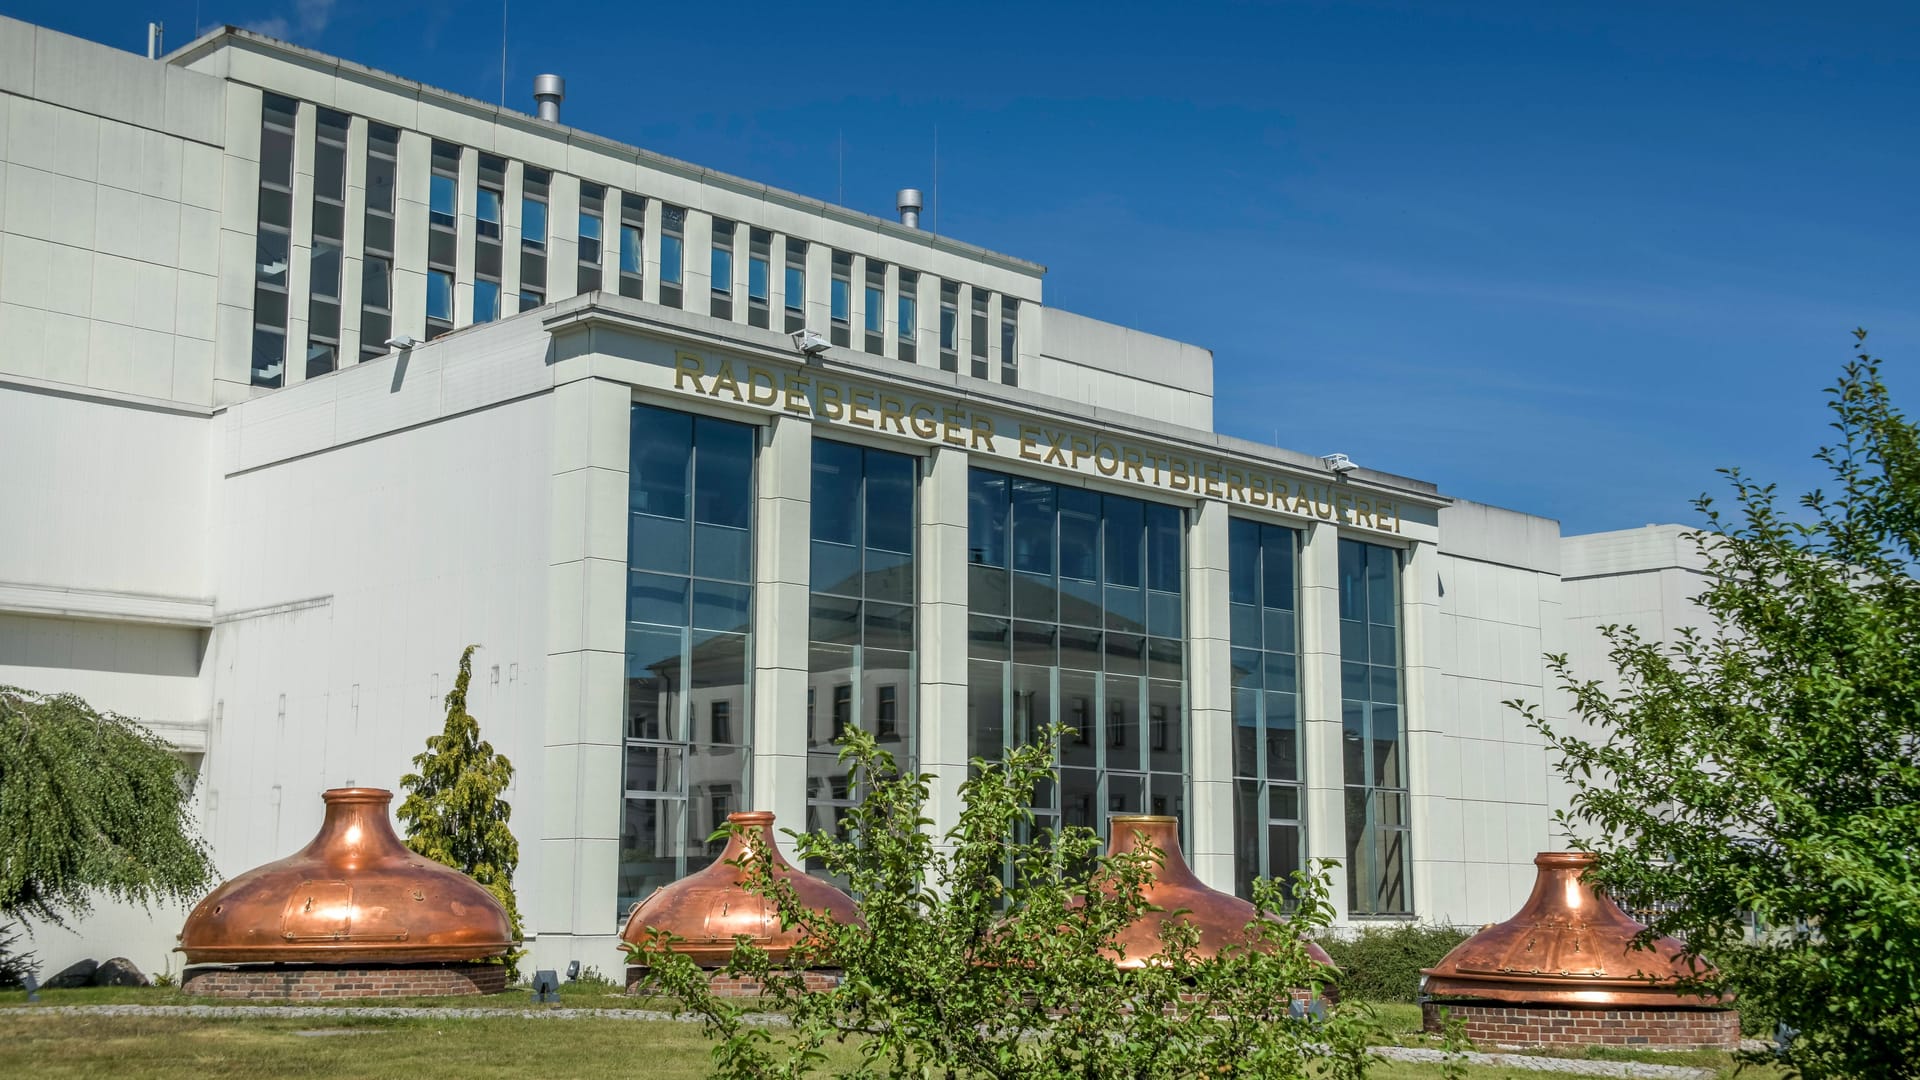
{"x": 1075, "y": 606}
{"x": 1372, "y": 735}
{"x": 860, "y": 637}
{"x": 1262, "y": 577}
{"x": 689, "y": 610}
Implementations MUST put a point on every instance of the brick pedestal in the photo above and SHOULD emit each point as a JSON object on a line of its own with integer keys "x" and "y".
{"x": 730, "y": 987}
{"x": 318, "y": 982}
{"x": 1502, "y": 1024}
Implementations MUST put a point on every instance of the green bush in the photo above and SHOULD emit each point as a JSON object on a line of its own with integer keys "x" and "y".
{"x": 1382, "y": 963}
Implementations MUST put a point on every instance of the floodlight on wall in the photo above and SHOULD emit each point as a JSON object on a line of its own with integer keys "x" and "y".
{"x": 1341, "y": 464}
{"x": 809, "y": 343}
{"x": 401, "y": 342}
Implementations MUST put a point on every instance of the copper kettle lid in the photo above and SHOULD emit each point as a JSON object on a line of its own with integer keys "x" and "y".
{"x": 1222, "y": 918}
{"x": 354, "y": 894}
{"x": 1569, "y": 944}
{"x": 712, "y": 906}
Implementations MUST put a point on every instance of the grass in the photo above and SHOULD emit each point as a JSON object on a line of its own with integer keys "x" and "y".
{"x": 575, "y": 995}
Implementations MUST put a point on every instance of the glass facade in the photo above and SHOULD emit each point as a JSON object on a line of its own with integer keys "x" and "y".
{"x": 860, "y": 637}
{"x": 1262, "y": 590}
{"x": 1372, "y": 737}
{"x": 689, "y": 642}
{"x": 1074, "y": 615}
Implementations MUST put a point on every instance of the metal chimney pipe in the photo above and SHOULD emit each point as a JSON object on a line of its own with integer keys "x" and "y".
{"x": 908, "y": 199}
{"x": 156, "y": 32}
{"x": 549, "y": 91}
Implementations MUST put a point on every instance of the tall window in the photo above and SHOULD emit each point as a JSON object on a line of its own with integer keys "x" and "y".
{"x": 534, "y": 185}
{"x": 689, "y": 612}
{"x": 1372, "y": 735}
{"x": 875, "y": 314}
{"x": 273, "y": 245}
{"x": 759, "y": 252}
{"x": 1074, "y": 602}
{"x": 949, "y": 326}
{"x": 907, "y": 322}
{"x": 442, "y": 214}
{"x": 977, "y": 326}
{"x": 860, "y": 652}
{"x": 593, "y": 199}
{"x": 488, "y": 232}
{"x": 633, "y": 226}
{"x": 376, "y": 261}
{"x": 841, "y": 311}
{"x": 720, "y": 276}
{"x": 1262, "y": 567}
{"x": 673, "y": 230}
{"x": 796, "y": 285}
{"x": 1009, "y": 341}
{"x": 329, "y": 231}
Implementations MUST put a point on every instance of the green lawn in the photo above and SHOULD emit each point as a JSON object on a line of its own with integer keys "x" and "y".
{"x": 39, "y": 1044}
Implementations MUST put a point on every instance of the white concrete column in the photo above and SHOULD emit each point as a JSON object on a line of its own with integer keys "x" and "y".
{"x": 573, "y": 901}
{"x": 742, "y": 267}
{"x": 697, "y": 268}
{"x": 890, "y": 313}
{"x": 820, "y": 288}
{"x": 783, "y": 520}
{"x": 942, "y": 577}
{"x": 610, "y": 242}
{"x": 563, "y": 237}
{"x": 963, "y": 328}
{"x": 466, "y": 200}
{"x": 993, "y": 335}
{"x": 1421, "y": 679}
{"x": 650, "y": 253}
{"x": 353, "y": 242}
{"x": 1325, "y": 801}
{"x": 777, "y": 282}
{"x": 414, "y": 185}
{"x": 1210, "y": 695}
{"x": 927, "y": 311}
{"x": 300, "y": 244}
{"x": 857, "y": 305}
{"x": 511, "y": 231}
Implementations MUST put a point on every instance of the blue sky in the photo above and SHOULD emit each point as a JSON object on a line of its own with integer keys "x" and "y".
{"x": 1563, "y": 257}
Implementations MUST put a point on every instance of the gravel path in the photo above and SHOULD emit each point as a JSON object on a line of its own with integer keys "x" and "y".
{"x": 1527, "y": 1062}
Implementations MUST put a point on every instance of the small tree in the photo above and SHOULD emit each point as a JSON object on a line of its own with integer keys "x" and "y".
{"x": 453, "y": 812}
{"x": 993, "y": 954}
{"x": 1770, "y": 767}
{"x": 91, "y": 804}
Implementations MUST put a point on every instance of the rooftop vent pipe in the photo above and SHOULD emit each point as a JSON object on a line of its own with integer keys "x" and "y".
{"x": 909, "y": 202}
{"x": 549, "y": 91}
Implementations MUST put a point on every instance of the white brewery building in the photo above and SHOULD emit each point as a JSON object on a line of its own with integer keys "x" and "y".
{"x": 311, "y": 375}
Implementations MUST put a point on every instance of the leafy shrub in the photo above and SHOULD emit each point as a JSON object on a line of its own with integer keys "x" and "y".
{"x": 1382, "y": 963}
{"x": 15, "y": 964}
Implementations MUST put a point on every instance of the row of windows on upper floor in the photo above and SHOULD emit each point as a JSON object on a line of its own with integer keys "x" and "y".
{"x": 598, "y": 207}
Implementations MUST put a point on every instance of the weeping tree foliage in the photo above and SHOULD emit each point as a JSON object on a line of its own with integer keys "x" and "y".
{"x": 453, "y": 812}
{"x": 91, "y": 805}
{"x": 1769, "y": 767}
{"x": 990, "y": 952}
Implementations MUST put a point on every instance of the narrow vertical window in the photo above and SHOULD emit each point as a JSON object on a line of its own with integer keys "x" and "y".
{"x": 593, "y": 199}
{"x": 442, "y": 214}
{"x": 488, "y": 235}
{"x": 796, "y": 285}
{"x": 1262, "y": 571}
{"x": 759, "y": 254}
{"x": 376, "y": 260}
{"x": 673, "y": 231}
{"x": 689, "y": 611}
{"x": 1379, "y": 852}
{"x": 633, "y": 226}
{"x": 329, "y": 233}
{"x": 861, "y": 624}
{"x": 949, "y": 326}
{"x": 977, "y": 327}
{"x": 840, "y": 313}
{"x": 906, "y": 322}
{"x": 534, "y": 186}
{"x": 720, "y": 276}
{"x": 874, "y": 316}
{"x": 1009, "y": 341}
{"x": 273, "y": 243}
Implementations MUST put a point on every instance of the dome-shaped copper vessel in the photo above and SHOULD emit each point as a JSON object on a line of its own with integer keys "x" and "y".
{"x": 353, "y": 895}
{"x": 1569, "y": 945}
{"x": 1221, "y": 917}
{"x": 708, "y": 909}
